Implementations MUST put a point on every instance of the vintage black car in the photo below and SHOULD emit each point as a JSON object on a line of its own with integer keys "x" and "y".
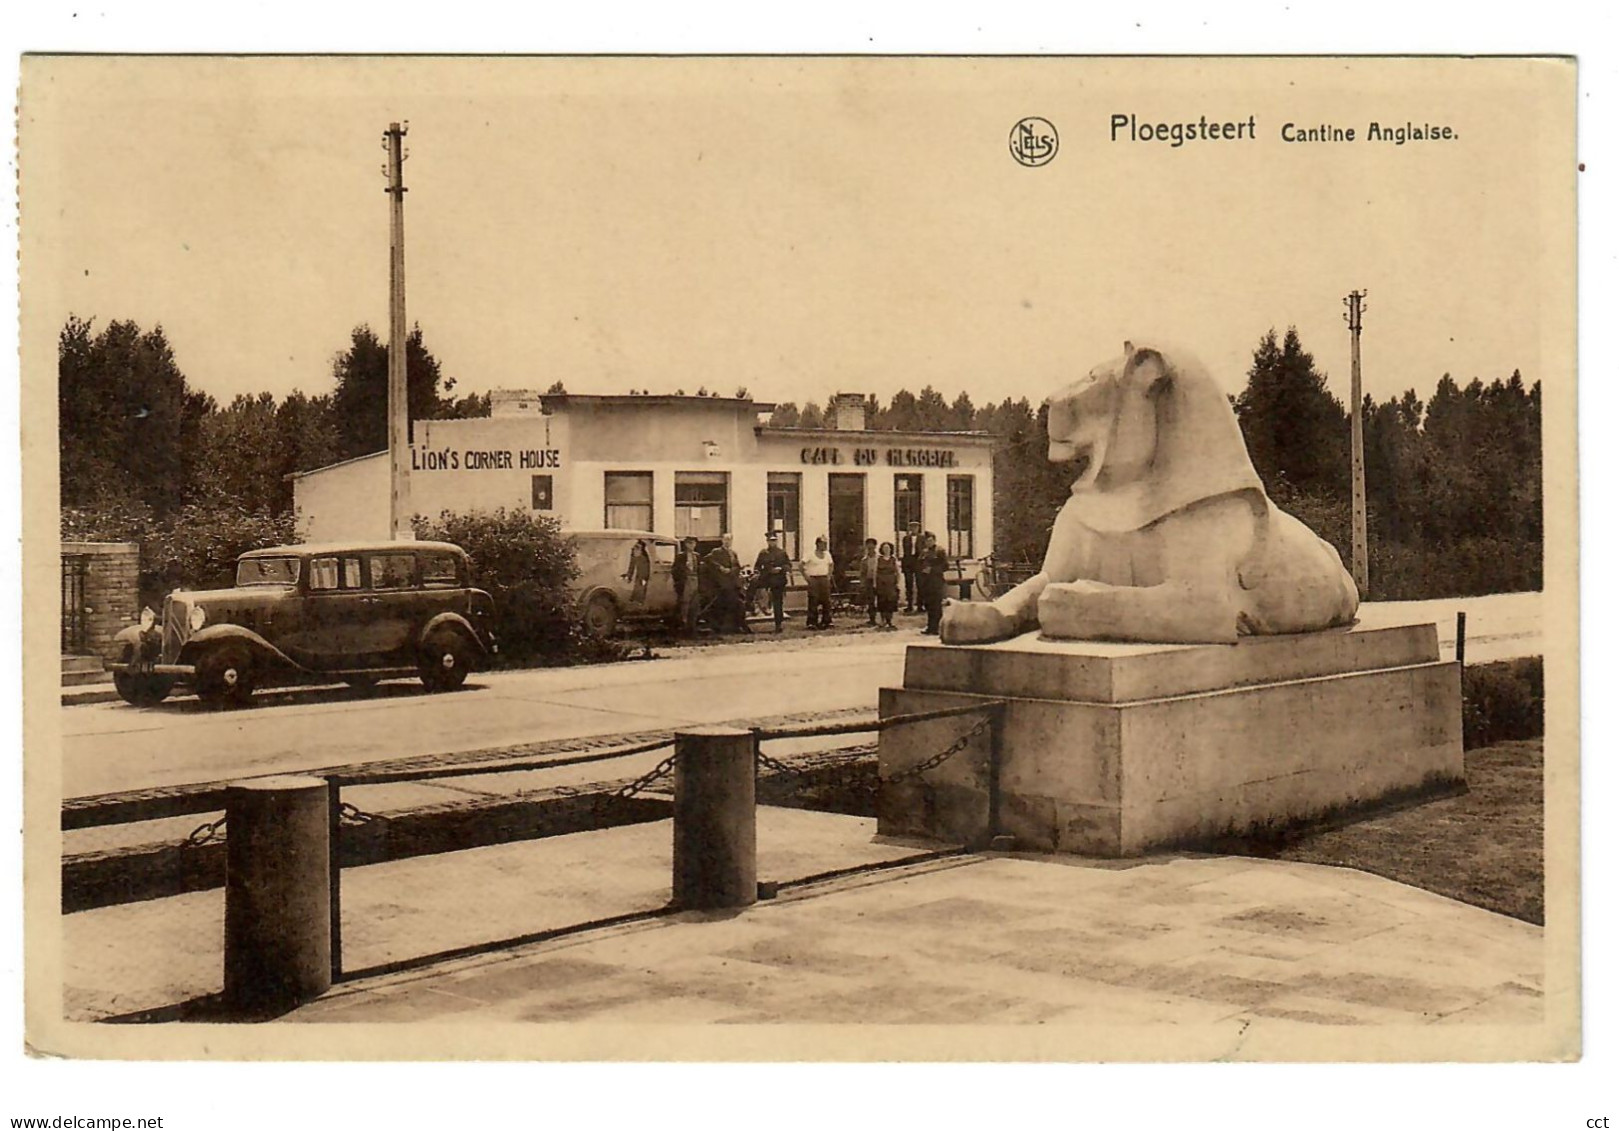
{"x": 356, "y": 612}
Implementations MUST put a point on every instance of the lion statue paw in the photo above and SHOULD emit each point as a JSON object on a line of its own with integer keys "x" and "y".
{"x": 971, "y": 622}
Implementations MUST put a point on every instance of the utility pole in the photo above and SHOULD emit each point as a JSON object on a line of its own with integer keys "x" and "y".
{"x": 399, "y": 512}
{"x": 1357, "y": 443}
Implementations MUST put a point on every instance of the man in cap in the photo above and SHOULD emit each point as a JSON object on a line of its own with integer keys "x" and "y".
{"x": 687, "y": 572}
{"x": 770, "y": 572}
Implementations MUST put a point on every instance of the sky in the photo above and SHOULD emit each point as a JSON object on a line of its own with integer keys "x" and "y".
{"x": 795, "y": 226}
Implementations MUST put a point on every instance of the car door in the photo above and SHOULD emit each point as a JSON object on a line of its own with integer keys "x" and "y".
{"x": 332, "y": 632}
{"x": 443, "y": 586}
{"x": 660, "y": 590}
{"x": 393, "y": 606}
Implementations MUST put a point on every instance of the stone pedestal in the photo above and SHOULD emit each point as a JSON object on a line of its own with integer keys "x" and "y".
{"x": 1114, "y": 749}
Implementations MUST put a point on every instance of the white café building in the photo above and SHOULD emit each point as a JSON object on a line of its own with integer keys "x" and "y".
{"x": 675, "y": 465}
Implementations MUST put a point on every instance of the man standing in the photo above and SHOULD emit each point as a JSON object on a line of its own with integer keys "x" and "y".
{"x": 770, "y": 571}
{"x": 910, "y": 554}
{"x": 686, "y": 572}
{"x": 724, "y": 569}
{"x": 931, "y": 565}
{"x": 867, "y": 567}
{"x": 818, "y": 574}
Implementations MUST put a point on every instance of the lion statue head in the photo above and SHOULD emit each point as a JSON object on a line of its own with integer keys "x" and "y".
{"x": 1150, "y": 436}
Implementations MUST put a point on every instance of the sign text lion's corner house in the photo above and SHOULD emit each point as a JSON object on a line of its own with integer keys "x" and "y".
{"x": 675, "y": 465}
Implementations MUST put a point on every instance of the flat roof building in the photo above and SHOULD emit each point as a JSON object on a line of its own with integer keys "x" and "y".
{"x": 676, "y": 465}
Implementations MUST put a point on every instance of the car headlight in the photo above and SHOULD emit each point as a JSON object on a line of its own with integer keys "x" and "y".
{"x": 199, "y": 617}
{"x": 148, "y": 619}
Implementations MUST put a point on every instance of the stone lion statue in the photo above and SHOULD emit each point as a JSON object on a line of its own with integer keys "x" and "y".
{"x": 1168, "y": 535}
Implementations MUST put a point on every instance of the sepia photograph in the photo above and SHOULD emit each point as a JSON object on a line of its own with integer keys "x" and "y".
{"x": 800, "y": 558}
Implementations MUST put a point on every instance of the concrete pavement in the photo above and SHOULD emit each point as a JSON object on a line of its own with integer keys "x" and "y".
{"x": 1186, "y": 939}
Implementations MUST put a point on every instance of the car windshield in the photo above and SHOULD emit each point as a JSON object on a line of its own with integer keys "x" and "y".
{"x": 267, "y": 571}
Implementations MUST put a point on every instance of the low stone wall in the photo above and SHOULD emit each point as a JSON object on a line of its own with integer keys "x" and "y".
{"x": 111, "y": 590}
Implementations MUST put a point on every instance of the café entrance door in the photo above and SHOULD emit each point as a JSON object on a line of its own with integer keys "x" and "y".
{"x": 846, "y": 522}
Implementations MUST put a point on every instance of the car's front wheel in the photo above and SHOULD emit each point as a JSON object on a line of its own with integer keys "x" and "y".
{"x": 601, "y": 616}
{"x": 142, "y": 690}
{"x": 446, "y": 660}
{"x": 225, "y": 676}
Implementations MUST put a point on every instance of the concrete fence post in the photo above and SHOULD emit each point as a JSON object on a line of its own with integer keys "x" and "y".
{"x": 278, "y": 940}
{"x": 716, "y": 847}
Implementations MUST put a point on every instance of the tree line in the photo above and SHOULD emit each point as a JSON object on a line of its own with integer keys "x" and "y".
{"x": 147, "y": 458}
{"x": 1453, "y": 481}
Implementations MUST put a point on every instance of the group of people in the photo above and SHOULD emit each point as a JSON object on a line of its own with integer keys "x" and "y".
{"x": 918, "y": 560}
{"x": 713, "y": 586}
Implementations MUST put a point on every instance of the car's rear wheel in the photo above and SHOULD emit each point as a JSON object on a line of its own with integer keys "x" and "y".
{"x": 142, "y": 690}
{"x": 225, "y": 676}
{"x": 601, "y": 616}
{"x": 446, "y": 660}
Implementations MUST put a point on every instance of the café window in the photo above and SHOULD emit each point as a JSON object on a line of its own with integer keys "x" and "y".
{"x": 542, "y": 493}
{"x": 959, "y": 516}
{"x": 629, "y": 500}
{"x": 701, "y": 499}
{"x": 782, "y": 509}
{"x": 907, "y": 502}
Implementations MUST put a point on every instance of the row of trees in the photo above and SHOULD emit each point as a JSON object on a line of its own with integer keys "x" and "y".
{"x": 1453, "y": 482}
{"x": 1453, "y": 491}
{"x": 147, "y": 458}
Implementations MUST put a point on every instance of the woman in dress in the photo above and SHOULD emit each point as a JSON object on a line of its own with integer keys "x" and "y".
{"x": 887, "y": 583}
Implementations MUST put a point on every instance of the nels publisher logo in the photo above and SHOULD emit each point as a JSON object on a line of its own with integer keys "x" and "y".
{"x": 1033, "y": 142}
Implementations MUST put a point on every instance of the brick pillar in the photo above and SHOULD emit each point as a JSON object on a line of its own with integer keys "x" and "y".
{"x": 111, "y": 590}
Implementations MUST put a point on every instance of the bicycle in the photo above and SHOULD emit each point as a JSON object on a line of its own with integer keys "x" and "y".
{"x": 997, "y": 577}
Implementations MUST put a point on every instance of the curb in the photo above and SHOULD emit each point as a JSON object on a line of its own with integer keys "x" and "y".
{"x": 89, "y": 693}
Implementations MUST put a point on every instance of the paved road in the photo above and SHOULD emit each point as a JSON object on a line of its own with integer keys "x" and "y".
{"x": 111, "y": 746}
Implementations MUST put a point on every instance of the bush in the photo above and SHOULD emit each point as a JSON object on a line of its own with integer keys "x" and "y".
{"x": 193, "y": 547}
{"x": 527, "y": 566}
{"x": 197, "y": 545}
{"x": 1471, "y": 567}
{"x": 1503, "y": 701}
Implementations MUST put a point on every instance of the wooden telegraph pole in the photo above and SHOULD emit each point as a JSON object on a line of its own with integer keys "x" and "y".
{"x": 1357, "y": 443}
{"x": 399, "y": 512}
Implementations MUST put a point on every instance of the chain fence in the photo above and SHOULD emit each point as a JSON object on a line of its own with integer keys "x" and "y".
{"x": 204, "y": 833}
{"x": 664, "y": 769}
{"x": 850, "y": 769}
{"x": 850, "y": 781}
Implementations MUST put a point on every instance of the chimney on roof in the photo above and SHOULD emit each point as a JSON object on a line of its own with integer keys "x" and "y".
{"x": 851, "y": 412}
{"x": 514, "y": 402}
